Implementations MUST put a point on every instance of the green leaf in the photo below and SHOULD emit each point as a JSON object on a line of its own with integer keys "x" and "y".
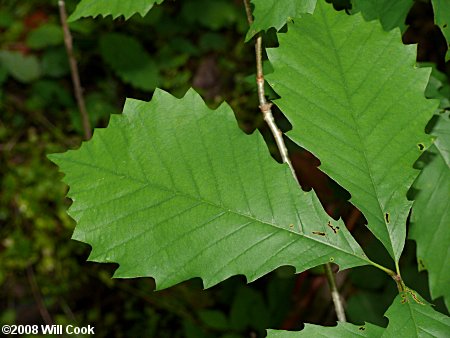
{"x": 442, "y": 131}
{"x": 441, "y": 10}
{"x": 408, "y": 318}
{"x": 438, "y": 87}
{"x": 214, "y": 319}
{"x": 342, "y": 330}
{"x": 249, "y": 310}
{"x": 275, "y": 13}
{"x": 24, "y": 68}
{"x": 55, "y": 62}
{"x": 174, "y": 190}
{"x": 3, "y": 74}
{"x": 45, "y": 36}
{"x": 391, "y": 14}
{"x": 367, "y": 306}
{"x": 431, "y": 213}
{"x": 214, "y": 15}
{"x": 115, "y": 8}
{"x": 348, "y": 94}
{"x": 129, "y": 60}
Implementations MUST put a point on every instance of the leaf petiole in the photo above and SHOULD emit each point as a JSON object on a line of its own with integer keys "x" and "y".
{"x": 395, "y": 276}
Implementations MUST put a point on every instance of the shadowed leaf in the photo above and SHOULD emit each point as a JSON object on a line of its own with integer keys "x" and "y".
{"x": 430, "y": 217}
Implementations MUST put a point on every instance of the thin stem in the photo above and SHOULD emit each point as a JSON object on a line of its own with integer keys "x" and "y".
{"x": 381, "y": 267}
{"x": 266, "y": 110}
{"x": 265, "y": 106}
{"x": 74, "y": 71}
{"x": 67, "y": 310}
{"x": 248, "y": 11}
{"x": 38, "y": 297}
{"x": 395, "y": 276}
{"x": 335, "y": 293}
{"x": 397, "y": 268}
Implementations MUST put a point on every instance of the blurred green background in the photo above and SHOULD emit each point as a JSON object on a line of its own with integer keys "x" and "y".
{"x": 44, "y": 276}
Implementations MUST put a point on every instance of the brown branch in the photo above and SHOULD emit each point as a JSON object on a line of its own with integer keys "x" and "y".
{"x": 74, "y": 71}
{"x": 338, "y": 306}
{"x": 38, "y": 297}
{"x": 265, "y": 108}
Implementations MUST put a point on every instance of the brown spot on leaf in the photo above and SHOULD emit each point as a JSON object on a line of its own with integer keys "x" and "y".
{"x": 335, "y": 229}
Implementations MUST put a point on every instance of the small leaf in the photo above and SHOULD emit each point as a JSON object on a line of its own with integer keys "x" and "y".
{"x": 174, "y": 190}
{"x": 214, "y": 15}
{"x": 442, "y": 131}
{"x": 409, "y": 316}
{"x": 391, "y": 14}
{"x": 45, "y": 36}
{"x": 438, "y": 87}
{"x": 115, "y": 8}
{"x": 55, "y": 62}
{"x": 431, "y": 213}
{"x": 214, "y": 319}
{"x": 441, "y": 10}
{"x": 368, "y": 306}
{"x": 357, "y": 119}
{"x": 342, "y": 330}
{"x": 129, "y": 60}
{"x": 275, "y": 13}
{"x": 24, "y": 68}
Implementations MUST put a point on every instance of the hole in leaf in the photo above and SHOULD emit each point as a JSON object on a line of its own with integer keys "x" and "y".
{"x": 320, "y": 233}
{"x": 421, "y": 146}
{"x": 387, "y": 217}
{"x": 444, "y": 25}
{"x": 331, "y": 259}
{"x": 362, "y": 328}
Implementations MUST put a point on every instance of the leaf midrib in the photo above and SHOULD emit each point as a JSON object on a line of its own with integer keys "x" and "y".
{"x": 220, "y": 207}
{"x": 351, "y": 110}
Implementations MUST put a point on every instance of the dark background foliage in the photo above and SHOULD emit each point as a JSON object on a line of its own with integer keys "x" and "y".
{"x": 44, "y": 278}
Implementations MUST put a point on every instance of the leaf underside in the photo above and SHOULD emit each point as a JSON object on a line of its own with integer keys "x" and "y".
{"x": 408, "y": 317}
{"x": 115, "y": 8}
{"x": 275, "y": 13}
{"x": 173, "y": 190}
{"x": 348, "y": 87}
{"x": 342, "y": 330}
{"x": 430, "y": 217}
{"x": 129, "y": 60}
